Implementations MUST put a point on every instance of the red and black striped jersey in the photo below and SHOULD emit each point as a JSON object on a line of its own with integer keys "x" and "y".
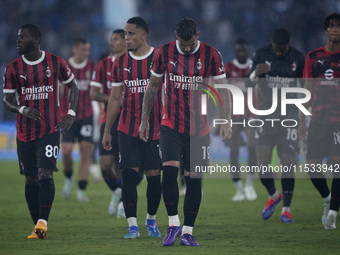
{"x": 36, "y": 86}
{"x": 82, "y": 73}
{"x": 236, "y": 74}
{"x": 102, "y": 78}
{"x": 134, "y": 74}
{"x": 324, "y": 67}
{"x": 186, "y": 76}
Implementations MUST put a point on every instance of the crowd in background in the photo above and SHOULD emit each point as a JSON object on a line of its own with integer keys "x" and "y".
{"x": 221, "y": 22}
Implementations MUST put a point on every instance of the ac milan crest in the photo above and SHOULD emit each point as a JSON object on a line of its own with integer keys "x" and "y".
{"x": 199, "y": 64}
{"x": 48, "y": 72}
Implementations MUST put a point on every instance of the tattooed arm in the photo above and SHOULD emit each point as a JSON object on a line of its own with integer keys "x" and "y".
{"x": 225, "y": 130}
{"x": 148, "y": 103}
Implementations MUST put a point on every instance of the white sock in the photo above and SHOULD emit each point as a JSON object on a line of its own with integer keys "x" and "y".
{"x": 174, "y": 221}
{"x": 150, "y": 217}
{"x": 332, "y": 212}
{"x": 250, "y": 180}
{"x": 327, "y": 199}
{"x": 43, "y": 221}
{"x": 238, "y": 186}
{"x": 132, "y": 221}
{"x": 187, "y": 230}
{"x": 285, "y": 209}
{"x": 275, "y": 195}
{"x": 118, "y": 191}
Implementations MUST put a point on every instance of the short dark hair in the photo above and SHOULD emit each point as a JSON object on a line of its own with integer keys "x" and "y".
{"x": 329, "y": 19}
{"x": 281, "y": 36}
{"x": 79, "y": 40}
{"x": 241, "y": 41}
{"x": 120, "y": 32}
{"x": 186, "y": 29}
{"x": 140, "y": 23}
{"x": 33, "y": 29}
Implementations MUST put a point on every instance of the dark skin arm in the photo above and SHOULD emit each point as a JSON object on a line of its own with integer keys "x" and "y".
{"x": 12, "y": 106}
{"x": 67, "y": 121}
{"x": 148, "y": 103}
{"x": 225, "y": 130}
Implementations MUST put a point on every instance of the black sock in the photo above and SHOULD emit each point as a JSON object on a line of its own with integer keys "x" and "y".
{"x": 335, "y": 199}
{"x": 46, "y": 197}
{"x": 234, "y": 163}
{"x": 321, "y": 185}
{"x": 287, "y": 190}
{"x": 129, "y": 192}
{"x": 139, "y": 178}
{"x": 153, "y": 193}
{"x": 110, "y": 179}
{"x": 269, "y": 184}
{"x": 68, "y": 173}
{"x": 170, "y": 189}
{"x": 32, "y": 199}
{"x": 192, "y": 200}
{"x": 82, "y": 184}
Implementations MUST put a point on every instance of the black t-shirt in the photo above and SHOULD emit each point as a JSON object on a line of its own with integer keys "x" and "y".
{"x": 284, "y": 72}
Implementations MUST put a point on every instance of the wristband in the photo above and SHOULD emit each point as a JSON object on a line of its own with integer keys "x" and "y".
{"x": 253, "y": 77}
{"x": 21, "y": 110}
{"x": 71, "y": 112}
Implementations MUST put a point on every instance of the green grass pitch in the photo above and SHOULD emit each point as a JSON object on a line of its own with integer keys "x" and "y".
{"x": 222, "y": 226}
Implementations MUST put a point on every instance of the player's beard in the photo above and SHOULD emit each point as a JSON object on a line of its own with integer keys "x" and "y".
{"x": 26, "y": 50}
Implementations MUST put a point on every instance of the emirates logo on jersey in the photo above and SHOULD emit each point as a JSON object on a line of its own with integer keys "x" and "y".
{"x": 199, "y": 64}
{"x": 48, "y": 72}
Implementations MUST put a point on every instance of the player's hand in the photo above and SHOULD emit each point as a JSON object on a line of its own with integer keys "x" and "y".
{"x": 302, "y": 131}
{"x": 31, "y": 113}
{"x": 107, "y": 141}
{"x": 262, "y": 68}
{"x": 144, "y": 130}
{"x": 225, "y": 132}
{"x": 65, "y": 123}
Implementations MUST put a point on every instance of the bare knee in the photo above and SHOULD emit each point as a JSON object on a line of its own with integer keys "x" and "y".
{"x": 44, "y": 173}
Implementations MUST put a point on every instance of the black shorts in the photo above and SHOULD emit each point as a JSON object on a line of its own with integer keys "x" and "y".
{"x": 192, "y": 151}
{"x": 81, "y": 130}
{"x": 40, "y": 153}
{"x": 323, "y": 141}
{"x": 284, "y": 138}
{"x": 133, "y": 152}
{"x": 114, "y": 141}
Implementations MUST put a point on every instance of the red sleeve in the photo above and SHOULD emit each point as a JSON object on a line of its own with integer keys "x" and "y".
{"x": 307, "y": 70}
{"x": 65, "y": 74}
{"x": 158, "y": 68}
{"x": 217, "y": 64}
{"x": 10, "y": 82}
{"x": 115, "y": 73}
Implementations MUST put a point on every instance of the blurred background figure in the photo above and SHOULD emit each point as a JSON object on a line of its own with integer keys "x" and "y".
{"x": 236, "y": 71}
{"x": 82, "y": 129}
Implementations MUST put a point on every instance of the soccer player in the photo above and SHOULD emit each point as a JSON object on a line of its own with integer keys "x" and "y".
{"x": 186, "y": 64}
{"x": 276, "y": 66}
{"x": 82, "y": 129}
{"x": 33, "y": 77}
{"x": 130, "y": 76}
{"x": 322, "y": 75}
{"x": 236, "y": 71}
{"x": 100, "y": 91}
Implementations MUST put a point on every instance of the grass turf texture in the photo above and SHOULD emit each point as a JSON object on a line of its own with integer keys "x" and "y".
{"x": 222, "y": 226}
